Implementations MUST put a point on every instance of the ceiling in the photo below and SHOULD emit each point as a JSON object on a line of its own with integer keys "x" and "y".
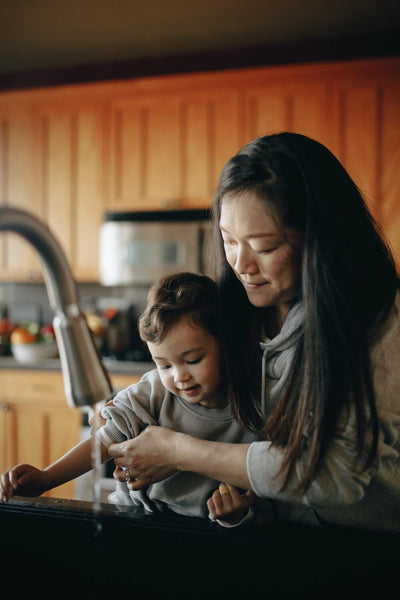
{"x": 54, "y": 34}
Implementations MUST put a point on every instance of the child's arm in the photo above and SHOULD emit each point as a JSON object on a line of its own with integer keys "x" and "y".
{"x": 26, "y": 480}
{"x": 74, "y": 463}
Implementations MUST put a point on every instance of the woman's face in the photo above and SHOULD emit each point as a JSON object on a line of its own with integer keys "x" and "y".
{"x": 265, "y": 259}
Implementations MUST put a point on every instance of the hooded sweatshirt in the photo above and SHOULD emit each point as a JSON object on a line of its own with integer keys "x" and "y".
{"x": 342, "y": 493}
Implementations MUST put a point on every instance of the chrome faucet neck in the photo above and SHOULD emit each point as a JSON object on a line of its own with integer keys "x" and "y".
{"x": 86, "y": 380}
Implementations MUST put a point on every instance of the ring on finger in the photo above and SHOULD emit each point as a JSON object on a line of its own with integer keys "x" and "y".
{"x": 223, "y": 489}
{"x": 128, "y": 477}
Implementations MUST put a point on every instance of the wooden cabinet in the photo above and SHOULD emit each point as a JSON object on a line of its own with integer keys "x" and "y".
{"x": 171, "y": 136}
{"x": 354, "y": 109}
{"x": 53, "y": 164}
{"x": 366, "y": 138}
{"x": 283, "y": 105}
{"x": 168, "y": 148}
{"x": 36, "y": 424}
{"x": 19, "y": 187}
{"x": 70, "y": 153}
{"x": 73, "y": 180}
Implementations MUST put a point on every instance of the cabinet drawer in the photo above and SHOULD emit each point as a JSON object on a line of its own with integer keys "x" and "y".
{"x": 120, "y": 382}
{"x": 45, "y": 387}
{"x": 39, "y": 386}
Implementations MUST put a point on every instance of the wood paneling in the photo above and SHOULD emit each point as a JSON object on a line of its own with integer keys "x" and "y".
{"x": 168, "y": 149}
{"x": 366, "y": 134}
{"x": 209, "y": 126}
{"x": 146, "y": 142}
{"x": 359, "y": 115}
{"x": 89, "y": 194}
{"x": 277, "y": 106}
{"x": 161, "y": 142}
{"x": 57, "y": 174}
{"x": 389, "y": 188}
{"x": 19, "y": 186}
{"x": 36, "y": 424}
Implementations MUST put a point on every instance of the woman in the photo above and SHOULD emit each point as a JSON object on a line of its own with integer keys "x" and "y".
{"x": 309, "y": 309}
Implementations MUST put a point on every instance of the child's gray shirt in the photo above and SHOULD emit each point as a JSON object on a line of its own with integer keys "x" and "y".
{"x": 149, "y": 403}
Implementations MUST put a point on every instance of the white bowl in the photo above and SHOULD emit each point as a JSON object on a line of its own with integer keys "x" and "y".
{"x": 27, "y": 353}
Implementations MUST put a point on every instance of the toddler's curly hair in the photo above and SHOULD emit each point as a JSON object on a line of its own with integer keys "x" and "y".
{"x": 176, "y": 296}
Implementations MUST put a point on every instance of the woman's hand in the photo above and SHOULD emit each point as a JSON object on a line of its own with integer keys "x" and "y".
{"x": 228, "y": 504}
{"x": 23, "y": 480}
{"x": 149, "y": 457}
{"x": 124, "y": 475}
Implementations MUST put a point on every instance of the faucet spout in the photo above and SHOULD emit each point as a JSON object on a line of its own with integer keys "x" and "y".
{"x": 86, "y": 381}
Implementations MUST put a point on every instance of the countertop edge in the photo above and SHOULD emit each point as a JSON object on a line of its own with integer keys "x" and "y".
{"x": 113, "y": 367}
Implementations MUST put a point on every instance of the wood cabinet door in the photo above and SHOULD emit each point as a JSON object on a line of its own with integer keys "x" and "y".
{"x": 210, "y": 134}
{"x": 144, "y": 152}
{"x": 73, "y": 181}
{"x": 19, "y": 188}
{"x": 168, "y": 148}
{"x": 53, "y": 164}
{"x": 3, "y": 434}
{"x": 39, "y": 436}
{"x": 366, "y": 139}
{"x": 389, "y": 176}
{"x": 287, "y": 104}
{"x": 36, "y": 425}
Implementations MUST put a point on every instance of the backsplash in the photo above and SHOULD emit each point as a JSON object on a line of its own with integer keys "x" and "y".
{"x": 29, "y": 302}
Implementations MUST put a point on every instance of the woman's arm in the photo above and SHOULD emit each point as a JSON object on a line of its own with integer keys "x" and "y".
{"x": 218, "y": 460}
{"x": 159, "y": 451}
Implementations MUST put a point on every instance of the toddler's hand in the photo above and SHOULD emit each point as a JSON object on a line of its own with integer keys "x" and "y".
{"x": 228, "y": 504}
{"x": 23, "y": 480}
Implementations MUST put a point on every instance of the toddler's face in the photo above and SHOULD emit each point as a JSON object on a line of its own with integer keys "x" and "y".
{"x": 188, "y": 361}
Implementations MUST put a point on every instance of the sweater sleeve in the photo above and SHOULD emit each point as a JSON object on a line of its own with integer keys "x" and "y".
{"x": 132, "y": 410}
{"x": 342, "y": 478}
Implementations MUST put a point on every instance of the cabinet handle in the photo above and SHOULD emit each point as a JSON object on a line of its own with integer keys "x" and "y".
{"x": 3, "y": 407}
{"x": 170, "y": 203}
{"x": 40, "y": 387}
{"x": 34, "y": 275}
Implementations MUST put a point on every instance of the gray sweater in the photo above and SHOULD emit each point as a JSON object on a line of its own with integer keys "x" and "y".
{"x": 340, "y": 494}
{"x": 149, "y": 403}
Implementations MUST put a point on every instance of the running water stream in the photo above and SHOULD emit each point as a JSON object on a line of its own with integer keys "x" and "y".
{"x": 96, "y": 468}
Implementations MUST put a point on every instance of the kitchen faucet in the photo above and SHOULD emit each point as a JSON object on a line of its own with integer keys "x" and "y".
{"x": 86, "y": 381}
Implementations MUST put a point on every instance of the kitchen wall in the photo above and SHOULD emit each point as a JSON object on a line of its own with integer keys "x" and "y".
{"x": 28, "y": 298}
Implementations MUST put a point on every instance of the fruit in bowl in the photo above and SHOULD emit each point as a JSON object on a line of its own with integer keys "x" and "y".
{"x": 6, "y": 329}
{"x": 30, "y": 342}
{"x": 97, "y": 327}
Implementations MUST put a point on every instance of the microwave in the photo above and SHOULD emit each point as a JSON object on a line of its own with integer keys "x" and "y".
{"x": 137, "y": 248}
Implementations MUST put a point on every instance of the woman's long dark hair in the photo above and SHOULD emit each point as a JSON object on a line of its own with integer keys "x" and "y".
{"x": 348, "y": 281}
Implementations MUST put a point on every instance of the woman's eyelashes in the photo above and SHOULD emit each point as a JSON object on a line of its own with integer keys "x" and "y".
{"x": 233, "y": 243}
{"x": 265, "y": 251}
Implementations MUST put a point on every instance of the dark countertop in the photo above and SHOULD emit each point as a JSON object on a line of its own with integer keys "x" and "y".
{"x": 114, "y": 367}
{"x": 163, "y": 555}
